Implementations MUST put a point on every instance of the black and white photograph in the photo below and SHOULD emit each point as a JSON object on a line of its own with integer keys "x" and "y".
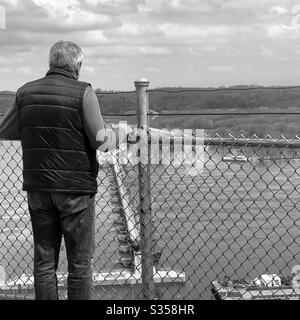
{"x": 150, "y": 151}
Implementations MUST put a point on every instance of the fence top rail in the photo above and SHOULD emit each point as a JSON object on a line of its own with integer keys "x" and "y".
{"x": 172, "y": 114}
{"x": 219, "y": 141}
{"x": 250, "y": 142}
{"x": 196, "y": 114}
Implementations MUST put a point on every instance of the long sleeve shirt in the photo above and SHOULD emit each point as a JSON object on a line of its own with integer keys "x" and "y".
{"x": 100, "y": 137}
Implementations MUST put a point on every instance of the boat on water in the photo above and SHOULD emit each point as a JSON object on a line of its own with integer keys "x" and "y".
{"x": 233, "y": 158}
{"x": 266, "y": 287}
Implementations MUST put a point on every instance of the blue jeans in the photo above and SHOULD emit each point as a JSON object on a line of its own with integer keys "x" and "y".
{"x": 53, "y": 215}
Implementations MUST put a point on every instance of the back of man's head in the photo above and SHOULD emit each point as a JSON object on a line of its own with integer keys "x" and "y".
{"x": 66, "y": 55}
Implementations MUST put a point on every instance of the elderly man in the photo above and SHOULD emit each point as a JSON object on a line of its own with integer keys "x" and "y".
{"x": 58, "y": 120}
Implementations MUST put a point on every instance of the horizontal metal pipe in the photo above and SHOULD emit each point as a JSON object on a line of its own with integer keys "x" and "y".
{"x": 4, "y": 296}
{"x": 225, "y": 142}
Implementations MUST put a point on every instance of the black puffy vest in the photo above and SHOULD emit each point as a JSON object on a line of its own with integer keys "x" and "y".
{"x": 57, "y": 155}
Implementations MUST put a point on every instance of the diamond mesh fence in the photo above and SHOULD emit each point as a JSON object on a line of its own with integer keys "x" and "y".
{"x": 229, "y": 229}
{"x": 179, "y": 215}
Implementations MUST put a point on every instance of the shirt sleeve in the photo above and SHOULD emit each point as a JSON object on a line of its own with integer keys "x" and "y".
{"x": 10, "y": 126}
{"x": 100, "y": 136}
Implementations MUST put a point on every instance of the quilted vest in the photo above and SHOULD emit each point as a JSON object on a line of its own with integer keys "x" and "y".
{"x": 57, "y": 155}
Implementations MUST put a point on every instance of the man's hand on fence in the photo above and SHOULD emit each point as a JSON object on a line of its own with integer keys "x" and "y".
{"x": 123, "y": 126}
{"x": 123, "y": 130}
{"x": 110, "y": 138}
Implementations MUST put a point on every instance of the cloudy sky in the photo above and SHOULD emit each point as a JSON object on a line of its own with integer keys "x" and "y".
{"x": 170, "y": 42}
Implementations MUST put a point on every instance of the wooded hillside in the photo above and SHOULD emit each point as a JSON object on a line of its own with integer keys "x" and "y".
{"x": 189, "y": 100}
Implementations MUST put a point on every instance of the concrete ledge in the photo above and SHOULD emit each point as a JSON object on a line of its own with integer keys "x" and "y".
{"x": 127, "y": 277}
{"x": 115, "y": 277}
{"x": 117, "y": 284}
{"x": 125, "y": 285}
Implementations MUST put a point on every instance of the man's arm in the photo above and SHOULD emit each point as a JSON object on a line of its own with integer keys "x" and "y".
{"x": 10, "y": 126}
{"x": 100, "y": 137}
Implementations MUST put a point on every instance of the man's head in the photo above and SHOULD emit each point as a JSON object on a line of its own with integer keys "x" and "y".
{"x": 66, "y": 55}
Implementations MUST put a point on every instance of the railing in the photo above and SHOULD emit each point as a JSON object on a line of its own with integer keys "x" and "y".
{"x": 178, "y": 216}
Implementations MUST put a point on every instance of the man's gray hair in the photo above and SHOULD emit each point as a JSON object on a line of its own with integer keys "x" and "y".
{"x": 65, "y": 55}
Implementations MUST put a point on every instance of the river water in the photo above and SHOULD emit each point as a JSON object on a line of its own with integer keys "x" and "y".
{"x": 235, "y": 219}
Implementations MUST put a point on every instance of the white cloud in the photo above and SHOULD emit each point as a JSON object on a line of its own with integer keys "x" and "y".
{"x": 25, "y": 70}
{"x": 112, "y": 7}
{"x": 94, "y": 37}
{"x": 210, "y": 48}
{"x": 136, "y": 29}
{"x": 220, "y": 68}
{"x": 109, "y": 52}
{"x": 254, "y": 4}
{"x": 56, "y": 16}
{"x": 129, "y": 35}
{"x": 2, "y": 17}
{"x": 275, "y": 30}
{"x": 265, "y": 51}
{"x": 203, "y": 6}
{"x": 7, "y": 70}
{"x": 153, "y": 70}
{"x": 69, "y": 14}
{"x": 279, "y": 10}
{"x": 186, "y": 31}
{"x": 106, "y": 61}
{"x": 88, "y": 69}
{"x": 154, "y": 50}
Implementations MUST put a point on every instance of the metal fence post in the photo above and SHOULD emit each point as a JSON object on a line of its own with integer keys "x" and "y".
{"x": 145, "y": 191}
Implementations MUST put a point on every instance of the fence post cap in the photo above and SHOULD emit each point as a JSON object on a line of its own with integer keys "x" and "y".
{"x": 142, "y": 82}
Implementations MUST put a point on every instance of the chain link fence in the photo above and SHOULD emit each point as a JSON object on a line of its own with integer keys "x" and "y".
{"x": 237, "y": 218}
{"x": 168, "y": 229}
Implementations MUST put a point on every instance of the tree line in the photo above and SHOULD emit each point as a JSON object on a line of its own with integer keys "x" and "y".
{"x": 190, "y": 100}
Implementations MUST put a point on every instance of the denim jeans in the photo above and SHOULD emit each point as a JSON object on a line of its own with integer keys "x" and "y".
{"x": 53, "y": 215}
